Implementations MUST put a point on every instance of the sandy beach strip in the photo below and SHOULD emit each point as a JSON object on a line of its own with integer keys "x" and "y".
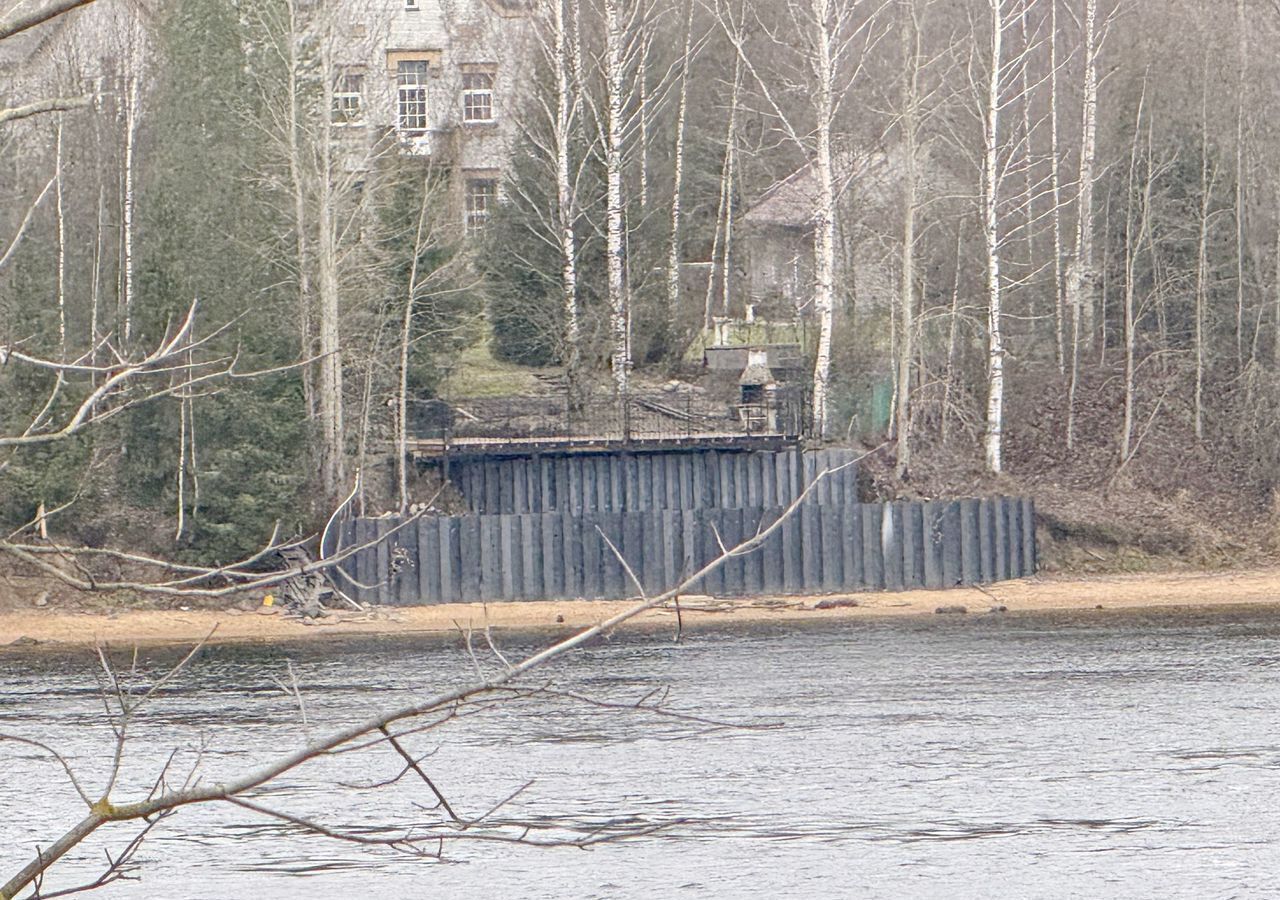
{"x": 31, "y": 628}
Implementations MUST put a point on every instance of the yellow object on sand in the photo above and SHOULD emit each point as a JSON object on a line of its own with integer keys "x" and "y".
{"x": 268, "y": 600}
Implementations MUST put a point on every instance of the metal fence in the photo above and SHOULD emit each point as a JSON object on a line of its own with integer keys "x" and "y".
{"x": 641, "y": 416}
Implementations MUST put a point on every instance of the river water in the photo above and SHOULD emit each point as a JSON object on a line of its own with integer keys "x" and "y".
{"x": 1084, "y": 755}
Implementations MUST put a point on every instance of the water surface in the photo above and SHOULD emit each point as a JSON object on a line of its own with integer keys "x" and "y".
{"x": 1084, "y": 755}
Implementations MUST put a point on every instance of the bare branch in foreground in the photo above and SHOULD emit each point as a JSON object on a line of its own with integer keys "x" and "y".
{"x": 22, "y": 226}
{"x": 237, "y": 578}
{"x": 39, "y": 107}
{"x": 446, "y": 704}
{"x": 22, "y": 20}
{"x": 119, "y": 867}
{"x": 170, "y": 355}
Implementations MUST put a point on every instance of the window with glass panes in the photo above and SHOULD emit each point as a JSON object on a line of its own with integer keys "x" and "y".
{"x": 482, "y": 194}
{"x": 348, "y": 97}
{"x": 411, "y": 95}
{"x": 477, "y": 96}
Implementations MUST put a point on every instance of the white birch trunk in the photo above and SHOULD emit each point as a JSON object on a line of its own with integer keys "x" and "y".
{"x": 1130, "y": 259}
{"x": 726, "y": 245}
{"x": 95, "y": 282}
{"x": 1202, "y": 260}
{"x": 332, "y": 465}
{"x": 642, "y": 86}
{"x": 300, "y": 217}
{"x": 824, "y": 222}
{"x": 953, "y": 335}
{"x": 186, "y": 461}
{"x": 366, "y": 414}
{"x": 562, "y": 60}
{"x": 180, "y": 478}
{"x": 62, "y": 244}
{"x": 1080, "y": 271}
{"x": 1028, "y": 199}
{"x": 615, "y": 239}
{"x": 907, "y": 274}
{"x": 1055, "y": 189}
{"x": 991, "y": 237}
{"x": 1241, "y": 91}
{"x": 575, "y": 44}
{"x": 402, "y": 396}
{"x": 1276, "y": 348}
{"x": 126, "y": 268}
{"x": 677, "y": 175}
{"x": 723, "y": 209}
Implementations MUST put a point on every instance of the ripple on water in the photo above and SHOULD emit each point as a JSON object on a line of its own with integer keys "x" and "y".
{"x": 911, "y": 761}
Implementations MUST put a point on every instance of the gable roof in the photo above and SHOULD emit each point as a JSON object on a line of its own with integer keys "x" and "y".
{"x": 792, "y": 202}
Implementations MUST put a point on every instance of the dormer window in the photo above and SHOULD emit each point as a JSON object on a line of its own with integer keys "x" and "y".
{"x": 477, "y": 95}
{"x": 411, "y": 5}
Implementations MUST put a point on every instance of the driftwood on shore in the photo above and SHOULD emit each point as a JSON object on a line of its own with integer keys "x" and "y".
{"x": 303, "y": 594}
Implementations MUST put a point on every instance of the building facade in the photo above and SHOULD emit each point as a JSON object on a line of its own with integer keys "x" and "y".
{"x": 443, "y": 78}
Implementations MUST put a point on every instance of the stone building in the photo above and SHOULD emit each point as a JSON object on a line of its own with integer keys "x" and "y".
{"x": 440, "y": 77}
{"x": 444, "y": 77}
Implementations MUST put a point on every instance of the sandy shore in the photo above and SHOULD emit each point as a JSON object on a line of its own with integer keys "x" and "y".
{"x": 50, "y": 626}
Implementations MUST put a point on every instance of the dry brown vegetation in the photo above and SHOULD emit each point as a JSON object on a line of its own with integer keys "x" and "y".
{"x": 1177, "y": 504}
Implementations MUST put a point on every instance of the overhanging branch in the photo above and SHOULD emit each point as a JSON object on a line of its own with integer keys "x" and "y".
{"x": 23, "y": 19}
{"x": 53, "y": 104}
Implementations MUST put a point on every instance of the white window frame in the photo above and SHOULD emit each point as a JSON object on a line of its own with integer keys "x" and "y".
{"x": 411, "y": 5}
{"x": 411, "y": 93}
{"x": 478, "y": 97}
{"x": 477, "y": 217}
{"x": 348, "y": 104}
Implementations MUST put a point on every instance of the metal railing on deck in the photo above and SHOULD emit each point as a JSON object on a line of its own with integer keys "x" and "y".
{"x": 641, "y": 416}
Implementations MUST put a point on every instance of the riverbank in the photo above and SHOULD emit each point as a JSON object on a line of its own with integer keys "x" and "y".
{"x": 155, "y": 627}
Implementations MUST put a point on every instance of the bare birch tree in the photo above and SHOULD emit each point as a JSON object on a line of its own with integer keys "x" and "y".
{"x": 132, "y": 102}
{"x": 561, "y": 52}
{"x": 816, "y": 52}
{"x": 438, "y": 270}
{"x": 1080, "y": 273}
{"x": 1208, "y": 176}
{"x": 1242, "y": 91}
{"x": 674, "y": 256}
{"x": 327, "y": 195}
{"x": 171, "y": 792}
{"x": 909, "y": 125}
{"x": 722, "y": 234}
{"x": 1055, "y": 193}
{"x": 1003, "y": 15}
{"x": 330, "y": 401}
{"x": 615, "y": 72}
{"x": 1133, "y": 239}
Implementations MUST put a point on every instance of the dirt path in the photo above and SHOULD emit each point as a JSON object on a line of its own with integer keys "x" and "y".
{"x": 32, "y": 627}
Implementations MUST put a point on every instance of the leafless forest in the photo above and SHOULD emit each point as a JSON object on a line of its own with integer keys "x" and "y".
{"x": 234, "y": 253}
{"x": 1019, "y": 246}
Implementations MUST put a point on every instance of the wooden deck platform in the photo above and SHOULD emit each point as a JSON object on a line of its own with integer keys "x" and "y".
{"x": 437, "y": 448}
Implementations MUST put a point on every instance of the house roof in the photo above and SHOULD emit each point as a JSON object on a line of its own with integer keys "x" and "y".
{"x": 793, "y": 200}
{"x": 755, "y": 375}
{"x": 789, "y": 202}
